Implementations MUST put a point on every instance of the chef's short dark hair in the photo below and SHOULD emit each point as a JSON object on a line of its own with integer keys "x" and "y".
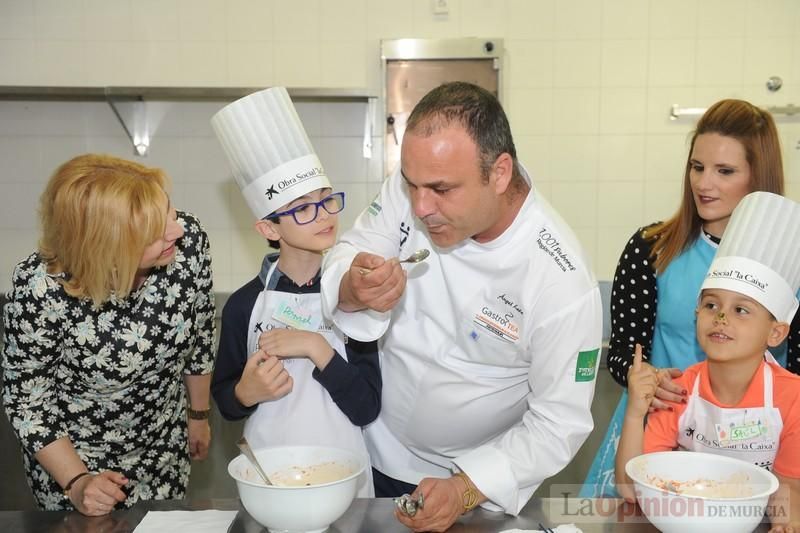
{"x": 477, "y": 110}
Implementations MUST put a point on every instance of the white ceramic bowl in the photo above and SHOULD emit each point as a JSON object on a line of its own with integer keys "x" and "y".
{"x": 305, "y": 509}
{"x": 735, "y": 503}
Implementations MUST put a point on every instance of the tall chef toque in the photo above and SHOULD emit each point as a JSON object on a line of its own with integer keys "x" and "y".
{"x": 268, "y": 150}
{"x": 759, "y": 255}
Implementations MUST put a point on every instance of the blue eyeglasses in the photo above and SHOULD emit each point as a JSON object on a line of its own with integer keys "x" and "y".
{"x": 307, "y": 213}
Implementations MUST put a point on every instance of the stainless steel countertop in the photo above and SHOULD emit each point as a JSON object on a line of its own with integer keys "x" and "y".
{"x": 364, "y": 516}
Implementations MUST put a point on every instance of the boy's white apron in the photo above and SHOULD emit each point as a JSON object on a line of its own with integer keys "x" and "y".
{"x": 307, "y": 415}
{"x": 751, "y": 434}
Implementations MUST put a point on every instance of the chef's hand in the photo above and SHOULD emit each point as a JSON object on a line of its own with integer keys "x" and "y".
{"x": 284, "y": 343}
{"x": 97, "y": 494}
{"x": 444, "y": 503}
{"x": 372, "y": 283}
{"x": 199, "y": 438}
{"x": 642, "y": 385}
{"x": 264, "y": 379}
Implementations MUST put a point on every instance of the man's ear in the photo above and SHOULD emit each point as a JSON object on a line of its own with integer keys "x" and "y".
{"x": 777, "y": 334}
{"x": 502, "y": 172}
{"x": 268, "y": 230}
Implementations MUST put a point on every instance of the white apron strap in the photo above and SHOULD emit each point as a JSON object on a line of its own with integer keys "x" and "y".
{"x": 768, "y": 386}
{"x": 696, "y": 388}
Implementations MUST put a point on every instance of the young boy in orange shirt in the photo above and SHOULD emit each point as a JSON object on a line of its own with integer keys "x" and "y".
{"x": 741, "y": 403}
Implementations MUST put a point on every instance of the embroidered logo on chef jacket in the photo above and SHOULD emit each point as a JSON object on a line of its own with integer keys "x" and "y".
{"x": 510, "y": 303}
{"x": 586, "y": 367}
{"x": 404, "y": 229}
{"x": 552, "y": 246}
{"x": 375, "y": 206}
{"x": 498, "y": 323}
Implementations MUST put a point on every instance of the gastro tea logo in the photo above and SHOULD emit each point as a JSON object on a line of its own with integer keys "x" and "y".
{"x": 500, "y": 324}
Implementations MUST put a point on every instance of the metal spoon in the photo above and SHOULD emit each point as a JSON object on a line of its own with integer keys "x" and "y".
{"x": 408, "y": 506}
{"x": 248, "y": 452}
{"x": 417, "y": 257}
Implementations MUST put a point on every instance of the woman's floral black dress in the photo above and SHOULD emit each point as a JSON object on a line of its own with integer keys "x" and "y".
{"x": 110, "y": 379}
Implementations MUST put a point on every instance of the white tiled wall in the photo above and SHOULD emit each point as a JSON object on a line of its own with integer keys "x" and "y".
{"x": 35, "y": 137}
{"x": 587, "y": 85}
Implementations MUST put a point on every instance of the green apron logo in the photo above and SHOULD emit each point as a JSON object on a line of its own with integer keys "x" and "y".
{"x": 586, "y": 367}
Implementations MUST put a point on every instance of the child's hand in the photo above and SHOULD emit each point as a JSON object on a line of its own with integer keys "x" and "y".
{"x": 264, "y": 379}
{"x": 642, "y": 385}
{"x": 286, "y": 343}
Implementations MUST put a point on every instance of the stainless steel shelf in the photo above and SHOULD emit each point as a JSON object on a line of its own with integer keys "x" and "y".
{"x": 18, "y": 92}
{"x": 116, "y": 97}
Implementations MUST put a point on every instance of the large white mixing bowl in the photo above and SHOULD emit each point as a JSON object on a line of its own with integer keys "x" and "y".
{"x": 735, "y": 503}
{"x": 305, "y": 509}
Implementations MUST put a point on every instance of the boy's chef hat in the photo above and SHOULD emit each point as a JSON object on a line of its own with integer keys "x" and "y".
{"x": 268, "y": 150}
{"x": 759, "y": 255}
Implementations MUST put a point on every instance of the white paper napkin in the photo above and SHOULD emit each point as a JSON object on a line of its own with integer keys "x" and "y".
{"x": 563, "y": 528}
{"x": 186, "y": 521}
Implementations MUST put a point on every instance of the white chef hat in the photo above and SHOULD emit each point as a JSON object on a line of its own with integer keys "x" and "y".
{"x": 270, "y": 155}
{"x": 759, "y": 255}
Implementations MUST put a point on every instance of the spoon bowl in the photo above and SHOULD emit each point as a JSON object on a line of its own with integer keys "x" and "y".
{"x": 420, "y": 255}
{"x": 417, "y": 257}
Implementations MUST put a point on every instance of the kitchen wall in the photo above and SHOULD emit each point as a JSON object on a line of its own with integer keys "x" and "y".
{"x": 35, "y": 137}
{"x": 587, "y": 83}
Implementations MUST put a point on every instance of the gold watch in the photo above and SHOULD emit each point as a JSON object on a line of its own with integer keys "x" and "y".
{"x": 198, "y": 414}
{"x": 469, "y": 499}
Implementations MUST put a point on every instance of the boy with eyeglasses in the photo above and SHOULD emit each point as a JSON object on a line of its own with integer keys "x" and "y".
{"x": 295, "y": 377}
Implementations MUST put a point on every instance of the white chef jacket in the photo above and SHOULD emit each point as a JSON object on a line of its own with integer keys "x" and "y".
{"x": 489, "y": 358}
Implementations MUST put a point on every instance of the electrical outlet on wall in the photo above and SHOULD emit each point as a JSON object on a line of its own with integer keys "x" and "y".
{"x": 441, "y": 7}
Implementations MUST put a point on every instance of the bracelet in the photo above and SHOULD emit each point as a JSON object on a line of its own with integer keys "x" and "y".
{"x": 72, "y": 481}
{"x": 198, "y": 414}
{"x": 470, "y": 497}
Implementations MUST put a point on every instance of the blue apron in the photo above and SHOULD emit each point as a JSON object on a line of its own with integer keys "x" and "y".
{"x": 674, "y": 345}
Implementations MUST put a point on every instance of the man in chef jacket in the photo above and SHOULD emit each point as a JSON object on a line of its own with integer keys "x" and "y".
{"x": 490, "y": 347}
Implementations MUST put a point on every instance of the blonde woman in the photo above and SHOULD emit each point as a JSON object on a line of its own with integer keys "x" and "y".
{"x": 108, "y": 326}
